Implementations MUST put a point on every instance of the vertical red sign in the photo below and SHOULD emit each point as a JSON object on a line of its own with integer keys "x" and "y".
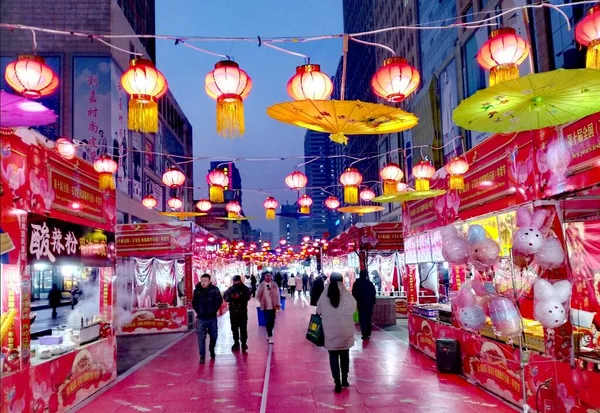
{"x": 189, "y": 284}
{"x": 106, "y": 293}
{"x": 458, "y": 276}
{"x": 410, "y": 283}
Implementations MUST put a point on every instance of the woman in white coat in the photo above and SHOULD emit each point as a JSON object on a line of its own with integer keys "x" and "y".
{"x": 337, "y": 308}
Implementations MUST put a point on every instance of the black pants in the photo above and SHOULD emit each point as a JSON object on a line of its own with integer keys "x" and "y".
{"x": 239, "y": 327}
{"x": 54, "y": 313}
{"x": 364, "y": 318}
{"x": 339, "y": 360}
{"x": 270, "y": 318}
{"x": 292, "y": 290}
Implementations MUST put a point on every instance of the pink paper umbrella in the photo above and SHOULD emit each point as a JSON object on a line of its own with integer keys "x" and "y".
{"x": 17, "y": 111}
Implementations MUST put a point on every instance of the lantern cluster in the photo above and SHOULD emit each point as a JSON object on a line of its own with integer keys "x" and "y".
{"x": 270, "y": 205}
{"x": 351, "y": 179}
{"x": 502, "y": 54}
{"x": 587, "y": 33}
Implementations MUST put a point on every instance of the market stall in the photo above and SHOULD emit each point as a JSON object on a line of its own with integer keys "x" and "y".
{"x": 509, "y": 267}
{"x": 56, "y": 226}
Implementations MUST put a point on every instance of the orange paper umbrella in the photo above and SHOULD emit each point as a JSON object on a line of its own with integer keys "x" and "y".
{"x": 360, "y": 209}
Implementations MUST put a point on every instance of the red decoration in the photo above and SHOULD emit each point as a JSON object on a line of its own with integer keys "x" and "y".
{"x": 351, "y": 179}
{"x": 296, "y": 180}
{"x": 391, "y": 175}
{"x": 175, "y": 203}
{"x": 270, "y": 205}
{"x": 106, "y": 167}
{"x": 367, "y": 194}
{"x": 332, "y": 203}
{"x": 423, "y": 172}
{"x": 587, "y": 33}
{"x": 309, "y": 83}
{"x": 457, "y": 168}
{"x": 233, "y": 208}
{"x": 31, "y": 77}
{"x": 502, "y": 54}
{"x": 395, "y": 80}
{"x": 173, "y": 177}
{"x": 149, "y": 202}
{"x": 305, "y": 202}
{"x": 216, "y": 179}
{"x": 204, "y": 205}
{"x": 65, "y": 148}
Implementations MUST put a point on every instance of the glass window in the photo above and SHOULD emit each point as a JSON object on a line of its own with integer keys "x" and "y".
{"x": 474, "y": 76}
{"x": 566, "y": 53}
{"x": 468, "y": 14}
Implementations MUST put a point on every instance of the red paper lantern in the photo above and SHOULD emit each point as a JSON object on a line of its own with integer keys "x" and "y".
{"x": 587, "y": 33}
{"x": 296, "y": 180}
{"x": 502, "y": 54}
{"x": 204, "y": 205}
{"x": 175, "y": 203}
{"x": 233, "y": 208}
{"x": 173, "y": 177}
{"x": 229, "y": 86}
{"x": 65, "y": 148}
{"x": 305, "y": 202}
{"x": 145, "y": 84}
{"x": 457, "y": 167}
{"x": 217, "y": 180}
{"x": 351, "y": 179}
{"x": 391, "y": 175}
{"x": 31, "y": 77}
{"x": 367, "y": 194}
{"x": 395, "y": 80}
{"x": 149, "y": 202}
{"x": 270, "y": 205}
{"x": 423, "y": 172}
{"x": 309, "y": 83}
{"x": 332, "y": 203}
{"x": 106, "y": 167}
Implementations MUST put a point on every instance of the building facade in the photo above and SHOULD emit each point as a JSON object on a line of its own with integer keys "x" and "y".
{"x": 289, "y": 226}
{"x": 90, "y": 102}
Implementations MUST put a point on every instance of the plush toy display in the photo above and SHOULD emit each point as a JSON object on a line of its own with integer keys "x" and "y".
{"x": 484, "y": 250}
{"x": 468, "y": 314}
{"x": 550, "y": 301}
{"x": 455, "y": 248}
{"x": 528, "y": 239}
{"x": 505, "y": 317}
{"x": 551, "y": 254}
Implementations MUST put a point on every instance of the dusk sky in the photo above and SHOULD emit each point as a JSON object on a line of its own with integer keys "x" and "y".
{"x": 269, "y": 69}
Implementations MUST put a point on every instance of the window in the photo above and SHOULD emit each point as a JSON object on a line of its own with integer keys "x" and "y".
{"x": 474, "y": 76}
{"x": 566, "y": 53}
{"x": 468, "y": 14}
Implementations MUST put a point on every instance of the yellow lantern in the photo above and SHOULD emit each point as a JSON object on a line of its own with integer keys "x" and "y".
{"x": 351, "y": 179}
{"x": 391, "y": 175}
{"x": 457, "y": 168}
{"x": 423, "y": 172}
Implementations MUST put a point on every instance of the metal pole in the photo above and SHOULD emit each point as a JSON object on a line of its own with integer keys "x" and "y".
{"x": 344, "y": 67}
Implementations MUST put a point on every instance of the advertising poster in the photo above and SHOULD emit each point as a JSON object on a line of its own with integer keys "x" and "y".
{"x": 157, "y": 190}
{"x": 154, "y": 239}
{"x": 422, "y": 334}
{"x": 149, "y": 157}
{"x": 155, "y": 320}
{"x": 92, "y": 105}
{"x": 52, "y": 101}
{"x": 119, "y": 132}
{"x": 448, "y": 102}
{"x": 137, "y": 170}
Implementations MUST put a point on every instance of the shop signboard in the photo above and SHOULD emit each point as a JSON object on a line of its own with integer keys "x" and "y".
{"x": 410, "y": 250}
{"x": 389, "y": 236}
{"x": 423, "y": 248}
{"x": 154, "y": 239}
{"x": 10, "y": 298}
{"x": 105, "y": 280}
{"x": 155, "y": 320}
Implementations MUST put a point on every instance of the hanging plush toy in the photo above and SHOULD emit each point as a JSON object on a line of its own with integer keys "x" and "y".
{"x": 549, "y": 307}
{"x": 455, "y": 248}
{"x": 528, "y": 239}
{"x": 484, "y": 250}
{"x": 505, "y": 317}
{"x": 551, "y": 255}
{"x": 468, "y": 314}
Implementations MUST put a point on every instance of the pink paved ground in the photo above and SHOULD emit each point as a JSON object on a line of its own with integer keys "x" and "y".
{"x": 385, "y": 376}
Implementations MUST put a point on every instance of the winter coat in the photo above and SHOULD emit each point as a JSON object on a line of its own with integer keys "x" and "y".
{"x": 207, "y": 301}
{"x": 364, "y": 292}
{"x": 263, "y": 291}
{"x": 316, "y": 290}
{"x": 298, "y": 283}
{"x": 238, "y": 296}
{"x": 54, "y": 297}
{"x": 338, "y": 323}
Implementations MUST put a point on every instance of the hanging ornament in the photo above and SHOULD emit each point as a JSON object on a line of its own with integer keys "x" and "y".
{"x": 305, "y": 202}
{"x": 587, "y": 33}
{"x": 106, "y": 167}
{"x": 395, "y": 80}
{"x": 233, "y": 209}
{"x": 309, "y": 83}
{"x": 175, "y": 203}
{"x": 423, "y": 172}
{"x": 367, "y": 194}
{"x": 173, "y": 177}
{"x": 332, "y": 203}
{"x": 270, "y": 205}
{"x": 145, "y": 84}
{"x": 502, "y": 54}
{"x": 217, "y": 181}
{"x": 204, "y": 205}
{"x": 351, "y": 179}
{"x": 457, "y": 168}
{"x": 65, "y": 148}
{"x": 31, "y": 77}
{"x": 296, "y": 180}
{"x": 391, "y": 175}
{"x": 149, "y": 201}
{"x": 229, "y": 86}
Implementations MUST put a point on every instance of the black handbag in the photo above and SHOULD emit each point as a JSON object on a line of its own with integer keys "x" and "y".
{"x": 315, "y": 331}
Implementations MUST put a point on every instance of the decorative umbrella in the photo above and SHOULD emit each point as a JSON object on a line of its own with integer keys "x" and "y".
{"x": 409, "y": 196}
{"x": 18, "y": 111}
{"x": 183, "y": 215}
{"x": 360, "y": 209}
{"x": 532, "y": 102}
{"x": 343, "y": 117}
{"x": 238, "y": 218}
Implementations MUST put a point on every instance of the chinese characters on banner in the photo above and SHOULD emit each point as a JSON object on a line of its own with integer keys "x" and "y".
{"x": 410, "y": 283}
{"x": 458, "y": 276}
{"x": 106, "y": 293}
{"x": 119, "y": 131}
{"x": 11, "y": 317}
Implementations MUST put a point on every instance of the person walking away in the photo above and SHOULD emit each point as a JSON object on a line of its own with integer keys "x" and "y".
{"x": 54, "y": 297}
{"x": 305, "y": 283}
{"x": 285, "y": 281}
{"x": 376, "y": 280}
{"x": 299, "y": 284}
{"x": 268, "y": 297}
{"x": 75, "y": 295}
{"x": 279, "y": 279}
{"x": 237, "y": 296}
{"x": 292, "y": 284}
{"x": 336, "y": 309}
{"x": 311, "y": 281}
{"x": 364, "y": 292}
{"x": 206, "y": 302}
{"x": 317, "y": 289}
{"x": 253, "y": 284}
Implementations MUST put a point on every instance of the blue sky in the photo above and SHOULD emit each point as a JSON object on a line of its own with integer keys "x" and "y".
{"x": 269, "y": 69}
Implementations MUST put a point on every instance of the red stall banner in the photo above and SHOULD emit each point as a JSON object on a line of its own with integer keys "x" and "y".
{"x": 458, "y": 276}
{"x": 189, "y": 279}
{"x": 154, "y": 239}
{"x": 156, "y": 320}
{"x": 106, "y": 293}
{"x": 422, "y": 334}
{"x": 410, "y": 283}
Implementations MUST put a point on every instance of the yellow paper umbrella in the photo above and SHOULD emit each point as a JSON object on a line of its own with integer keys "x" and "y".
{"x": 532, "y": 102}
{"x": 409, "y": 196}
{"x": 343, "y": 117}
{"x": 237, "y": 219}
{"x": 360, "y": 209}
{"x": 183, "y": 215}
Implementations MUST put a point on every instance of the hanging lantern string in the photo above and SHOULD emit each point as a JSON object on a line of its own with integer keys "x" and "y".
{"x": 34, "y": 40}
{"x": 389, "y": 49}
{"x": 116, "y": 47}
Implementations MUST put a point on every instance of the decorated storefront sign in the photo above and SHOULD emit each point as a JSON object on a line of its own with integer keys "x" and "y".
{"x": 154, "y": 239}
{"x": 156, "y": 320}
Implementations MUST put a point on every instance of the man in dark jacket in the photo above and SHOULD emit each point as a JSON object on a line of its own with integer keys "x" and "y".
{"x": 253, "y": 282}
{"x": 54, "y": 297}
{"x": 317, "y": 289}
{"x": 238, "y": 296}
{"x": 206, "y": 302}
{"x": 305, "y": 283}
{"x": 279, "y": 279}
{"x": 364, "y": 292}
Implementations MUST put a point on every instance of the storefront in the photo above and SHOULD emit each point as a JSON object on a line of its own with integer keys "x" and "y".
{"x": 54, "y": 220}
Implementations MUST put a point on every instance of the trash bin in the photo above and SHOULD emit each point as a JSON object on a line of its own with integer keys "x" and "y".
{"x": 262, "y": 321}
{"x": 283, "y": 302}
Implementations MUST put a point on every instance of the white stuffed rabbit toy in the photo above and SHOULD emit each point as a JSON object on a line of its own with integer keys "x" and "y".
{"x": 550, "y": 301}
{"x": 528, "y": 239}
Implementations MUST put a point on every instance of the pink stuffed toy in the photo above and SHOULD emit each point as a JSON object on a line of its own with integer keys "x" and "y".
{"x": 484, "y": 250}
{"x": 505, "y": 317}
{"x": 550, "y": 301}
{"x": 551, "y": 255}
{"x": 455, "y": 248}
{"x": 468, "y": 314}
{"x": 528, "y": 239}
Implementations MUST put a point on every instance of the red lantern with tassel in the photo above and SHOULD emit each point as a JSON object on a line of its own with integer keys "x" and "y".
{"x": 233, "y": 209}
{"x": 367, "y": 194}
{"x": 175, "y": 203}
{"x": 296, "y": 180}
{"x": 309, "y": 83}
{"x": 395, "y": 80}
{"x": 423, "y": 172}
{"x": 173, "y": 177}
{"x": 149, "y": 202}
{"x": 204, "y": 205}
{"x": 351, "y": 179}
{"x": 65, "y": 148}
{"x": 217, "y": 180}
{"x": 502, "y": 54}
{"x": 270, "y": 205}
{"x": 587, "y": 33}
{"x": 457, "y": 168}
{"x": 305, "y": 202}
{"x": 106, "y": 167}
{"x": 31, "y": 77}
{"x": 391, "y": 175}
{"x": 332, "y": 203}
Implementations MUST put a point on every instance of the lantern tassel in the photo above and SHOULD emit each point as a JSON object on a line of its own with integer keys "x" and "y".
{"x": 305, "y": 210}
{"x": 502, "y": 73}
{"x": 390, "y": 188}
{"x": 351, "y": 194}
{"x": 339, "y": 138}
{"x": 230, "y": 116}
{"x": 592, "y": 60}
{"x": 457, "y": 182}
{"x": 216, "y": 194}
{"x": 270, "y": 214}
{"x": 106, "y": 181}
{"x": 143, "y": 116}
{"x": 231, "y": 214}
{"x": 422, "y": 184}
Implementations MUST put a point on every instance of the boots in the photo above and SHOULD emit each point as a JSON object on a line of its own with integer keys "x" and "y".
{"x": 338, "y": 387}
{"x": 345, "y": 381}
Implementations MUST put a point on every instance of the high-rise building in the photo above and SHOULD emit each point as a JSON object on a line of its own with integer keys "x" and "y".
{"x": 258, "y": 235}
{"x": 91, "y": 104}
{"x": 289, "y": 225}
